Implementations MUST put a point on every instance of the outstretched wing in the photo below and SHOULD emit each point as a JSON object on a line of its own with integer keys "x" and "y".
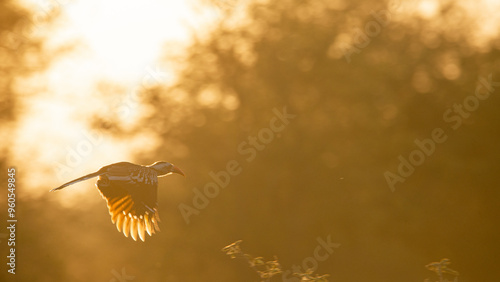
{"x": 131, "y": 196}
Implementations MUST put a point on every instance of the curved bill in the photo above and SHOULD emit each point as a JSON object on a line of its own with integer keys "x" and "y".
{"x": 177, "y": 170}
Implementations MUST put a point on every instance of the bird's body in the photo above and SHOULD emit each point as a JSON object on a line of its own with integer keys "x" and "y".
{"x": 130, "y": 192}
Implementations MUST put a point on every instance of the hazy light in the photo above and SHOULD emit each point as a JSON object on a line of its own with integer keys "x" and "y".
{"x": 428, "y": 8}
{"x": 127, "y": 35}
{"x": 121, "y": 42}
{"x": 209, "y": 97}
{"x": 91, "y": 42}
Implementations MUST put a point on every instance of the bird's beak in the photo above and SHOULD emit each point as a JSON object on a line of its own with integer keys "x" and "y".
{"x": 177, "y": 170}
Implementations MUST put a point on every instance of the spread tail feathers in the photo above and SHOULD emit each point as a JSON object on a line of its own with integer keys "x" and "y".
{"x": 97, "y": 173}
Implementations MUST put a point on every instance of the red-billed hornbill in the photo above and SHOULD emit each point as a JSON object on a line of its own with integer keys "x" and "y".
{"x": 130, "y": 192}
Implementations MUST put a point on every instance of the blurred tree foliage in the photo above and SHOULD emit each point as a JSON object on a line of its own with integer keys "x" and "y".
{"x": 10, "y": 65}
{"x": 20, "y": 55}
{"x": 323, "y": 175}
{"x": 356, "y": 113}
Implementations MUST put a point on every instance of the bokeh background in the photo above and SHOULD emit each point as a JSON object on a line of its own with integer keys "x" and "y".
{"x": 88, "y": 83}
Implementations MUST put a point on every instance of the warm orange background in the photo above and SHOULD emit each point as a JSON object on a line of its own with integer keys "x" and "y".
{"x": 85, "y": 84}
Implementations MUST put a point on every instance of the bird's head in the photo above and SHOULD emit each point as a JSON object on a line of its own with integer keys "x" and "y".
{"x": 165, "y": 168}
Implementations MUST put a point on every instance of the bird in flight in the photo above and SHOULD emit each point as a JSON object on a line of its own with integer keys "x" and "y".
{"x": 130, "y": 192}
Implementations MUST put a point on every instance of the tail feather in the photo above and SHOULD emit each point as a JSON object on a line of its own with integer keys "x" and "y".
{"x": 97, "y": 173}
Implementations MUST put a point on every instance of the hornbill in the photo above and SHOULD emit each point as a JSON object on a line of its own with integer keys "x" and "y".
{"x": 130, "y": 192}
